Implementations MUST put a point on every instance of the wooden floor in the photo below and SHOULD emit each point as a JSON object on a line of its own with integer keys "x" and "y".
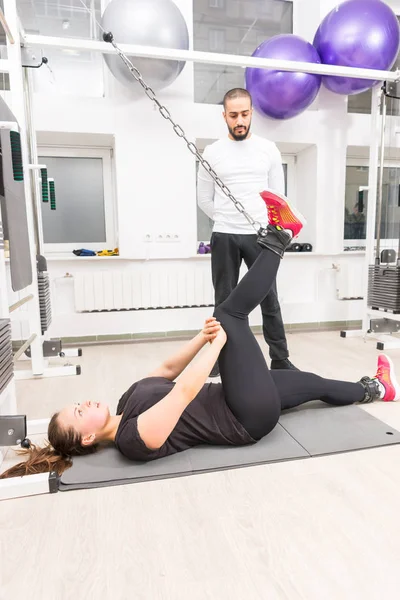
{"x": 318, "y": 529}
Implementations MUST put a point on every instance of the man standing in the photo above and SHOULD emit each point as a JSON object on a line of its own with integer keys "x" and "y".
{"x": 247, "y": 164}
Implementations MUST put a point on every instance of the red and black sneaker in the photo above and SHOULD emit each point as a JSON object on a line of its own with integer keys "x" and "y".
{"x": 281, "y": 214}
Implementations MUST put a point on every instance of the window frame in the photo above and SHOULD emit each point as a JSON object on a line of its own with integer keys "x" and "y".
{"x": 291, "y": 187}
{"x": 106, "y": 154}
{"x": 206, "y": 17}
{"x": 216, "y": 4}
{"x": 364, "y": 162}
{"x": 216, "y": 41}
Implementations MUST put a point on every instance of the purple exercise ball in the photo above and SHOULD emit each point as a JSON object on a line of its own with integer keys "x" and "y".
{"x": 358, "y": 33}
{"x": 283, "y": 94}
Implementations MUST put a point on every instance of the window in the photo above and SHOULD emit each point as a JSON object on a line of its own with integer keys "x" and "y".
{"x": 84, "y": 215}
{"x": 242, "y": 25}
{"x": 355, "y": 215}
{"x": 70, "y": 72}
{"x": 5, "y": 82}
{"x": 216, "y": 41}
{"x": 205, "y": 224}
{"x": 362, "y": 103}
{"x": 73, "y": 18}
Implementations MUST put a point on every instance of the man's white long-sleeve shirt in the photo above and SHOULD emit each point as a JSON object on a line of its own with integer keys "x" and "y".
{"x": 247, "y": 168}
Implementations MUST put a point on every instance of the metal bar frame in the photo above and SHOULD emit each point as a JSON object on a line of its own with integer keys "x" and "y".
{"x": 21, "y": 92}
{"x": 374, "y": 153}
{"x": 376, "y": 158}
{"x": 43, "y": 41}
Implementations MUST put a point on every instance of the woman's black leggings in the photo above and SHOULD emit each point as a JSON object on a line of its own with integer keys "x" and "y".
{"x": 256, "y": 395}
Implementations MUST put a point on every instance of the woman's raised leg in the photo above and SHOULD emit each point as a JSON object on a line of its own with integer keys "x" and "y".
{"x": 249, "y": 389}
{"x": 255, "y": 395}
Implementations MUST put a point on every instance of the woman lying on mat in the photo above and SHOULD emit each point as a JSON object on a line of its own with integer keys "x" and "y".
{"x": 157, "y": 417}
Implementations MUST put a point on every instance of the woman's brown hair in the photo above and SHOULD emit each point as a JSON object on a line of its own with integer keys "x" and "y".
{"x": 54, "y": 456}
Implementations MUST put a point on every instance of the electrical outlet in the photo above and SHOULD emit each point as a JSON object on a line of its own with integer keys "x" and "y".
{"x": 147, "y": 237}
{"x": 168, "y": 237}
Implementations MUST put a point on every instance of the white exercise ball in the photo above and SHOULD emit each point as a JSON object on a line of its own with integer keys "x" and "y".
{"x": 156, "y": 23}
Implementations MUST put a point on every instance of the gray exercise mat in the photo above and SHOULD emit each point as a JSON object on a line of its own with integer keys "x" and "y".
{"x": 323, "y": 429}
{"x": 109, "y": 467}
{"x": 314, "y": 429}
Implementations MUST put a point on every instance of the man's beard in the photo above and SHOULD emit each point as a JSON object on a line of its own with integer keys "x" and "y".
{"x": 239, "y": 137}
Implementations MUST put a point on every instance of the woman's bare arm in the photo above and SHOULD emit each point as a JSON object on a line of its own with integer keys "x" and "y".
{"x": 157, "y": 423}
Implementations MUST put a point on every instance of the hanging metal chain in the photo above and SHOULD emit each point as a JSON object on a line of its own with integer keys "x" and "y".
{"x": 108, "y": 37}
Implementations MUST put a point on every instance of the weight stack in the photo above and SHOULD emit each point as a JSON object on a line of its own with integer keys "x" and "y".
{"x": 44, "y": 294}
{"x": 384, "y": 287}
{"x": 6, "y": 354}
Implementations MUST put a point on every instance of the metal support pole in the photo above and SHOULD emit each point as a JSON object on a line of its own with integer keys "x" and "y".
{"x": 380, "y": 184}
{"x": 18, "y": 107}
{"x": 377, "y": 98}
{"x": 44, "y": 41}
{"x": 33, "y": 172}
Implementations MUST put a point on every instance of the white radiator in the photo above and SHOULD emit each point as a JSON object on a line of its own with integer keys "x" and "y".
{"x": 349, "y": 281}
{"x": 146, "y": 288}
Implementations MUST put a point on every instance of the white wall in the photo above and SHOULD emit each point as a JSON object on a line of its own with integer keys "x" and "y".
{"x": 307, "y": 190}
{"x": 155, "y": 183}
{"x": 306, "y": 18}
{"x": 307, "y": 288}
